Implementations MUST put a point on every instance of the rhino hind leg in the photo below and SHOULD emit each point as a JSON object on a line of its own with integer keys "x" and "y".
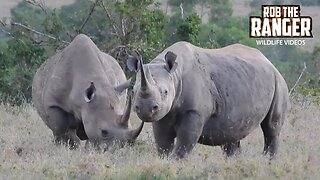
{"x": 62, "y": 127}
{"x": 231, "y": 149}
{"x": 271, "y": 126}
{"x": 271, "y": 136}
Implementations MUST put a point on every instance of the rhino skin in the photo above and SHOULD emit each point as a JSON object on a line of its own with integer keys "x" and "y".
{"x": 80, "y": 94}
{"x": 214, "y": 97}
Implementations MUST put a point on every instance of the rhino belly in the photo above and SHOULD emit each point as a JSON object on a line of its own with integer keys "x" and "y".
{"x": 220, "y": 131}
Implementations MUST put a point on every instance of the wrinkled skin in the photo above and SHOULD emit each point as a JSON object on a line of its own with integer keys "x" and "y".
{"x": 209, "y": 96}
{"x": 80, "y": 94}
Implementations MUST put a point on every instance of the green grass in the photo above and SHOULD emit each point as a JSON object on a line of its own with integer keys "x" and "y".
{"x": 27, "y": 152}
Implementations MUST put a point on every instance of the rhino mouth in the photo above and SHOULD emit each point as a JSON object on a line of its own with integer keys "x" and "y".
{"x": 147, "y": 120}
{"x": 148, "y": 117}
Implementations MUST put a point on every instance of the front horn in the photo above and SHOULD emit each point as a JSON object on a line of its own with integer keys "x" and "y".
{"x": 132, "y": 135}
{"x": 144, "y": 79}
{"x": 124, "y": 120}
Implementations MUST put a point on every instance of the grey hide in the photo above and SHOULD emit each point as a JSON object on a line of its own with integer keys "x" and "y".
{"x": 210, "y": 96}
{"x": 80, "y": 93}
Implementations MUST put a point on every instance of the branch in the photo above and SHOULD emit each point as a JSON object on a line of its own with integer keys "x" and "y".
{"x": 119, "y": 47}
{"x": 21, "y": 26}
{"x": 88, "y": 17}
{"x": 303, "y": 70}
{"x": 181, "y": 9}
{"x": 40, "y": 4}
{"x": 115, "y": 28}
{"x": 122, "y": 27}
{"x": 2, "y": 23}
{"x": 7, "y": 32}
{"x": 3, "y": 28}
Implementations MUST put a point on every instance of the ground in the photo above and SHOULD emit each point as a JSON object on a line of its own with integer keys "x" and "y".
{"x": 27, "y": 152}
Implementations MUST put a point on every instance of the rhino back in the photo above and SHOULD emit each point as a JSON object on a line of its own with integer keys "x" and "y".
{"x": 62, "y": 79}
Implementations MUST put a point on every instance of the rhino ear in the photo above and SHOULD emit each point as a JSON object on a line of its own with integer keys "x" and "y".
{"x": 89, "y": 93}
{"x": 132, "y": 62}
{"x": 170, "y": 58}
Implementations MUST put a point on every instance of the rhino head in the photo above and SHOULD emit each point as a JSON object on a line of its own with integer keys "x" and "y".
{"x": 102, "y": 121}
{"x": 154, "y": 89}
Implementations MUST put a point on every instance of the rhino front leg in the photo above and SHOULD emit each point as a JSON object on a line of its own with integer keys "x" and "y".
{"x": 188, "y": 134}
{"x": 164, "y": 137}
{"x": 60, "y": 123}
{"x": 69, "y": 138}
{"x": 232, "y": 148}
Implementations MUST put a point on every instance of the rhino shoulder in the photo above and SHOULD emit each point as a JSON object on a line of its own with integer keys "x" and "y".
{"x": 82, "y": 38}
{"x": 182, "y": 45}
{"x": 83, "y": 44}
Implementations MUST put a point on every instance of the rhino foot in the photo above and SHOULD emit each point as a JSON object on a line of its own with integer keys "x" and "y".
{"x": 231, "y": 149}
{"x": 69, "y": 139}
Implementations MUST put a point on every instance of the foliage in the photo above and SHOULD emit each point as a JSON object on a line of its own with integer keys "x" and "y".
{"x": 220, "y": 12}
{"x": 29, "y": 14}
{"x": 19, "y": 61}
{"x": 189, "y": 28}
{"x": 258, "y": 3}
{"x": 187, "y": 5}
{"x": 117, "y": 27}
{"x": 307, "y": 2}
{"x": 122, "y": 27}
{"x": 311, "y": 84}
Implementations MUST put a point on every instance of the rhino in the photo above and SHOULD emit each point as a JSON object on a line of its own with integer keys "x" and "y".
{"x": 213, "y": 97}
{"x": 80, "y": 94}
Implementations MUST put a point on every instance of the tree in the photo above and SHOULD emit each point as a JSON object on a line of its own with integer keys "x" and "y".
{"x": 19, "y": 61}
{"x": 37, "y": 32}
{"x": 189, "y": 29}
{"x": 221, "y": 10}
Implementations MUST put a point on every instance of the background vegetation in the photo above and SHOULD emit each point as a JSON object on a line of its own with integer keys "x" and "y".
{"x": 36, "y": 32}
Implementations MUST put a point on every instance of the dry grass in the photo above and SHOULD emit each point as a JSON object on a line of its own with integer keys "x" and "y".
{"x": 27, "y": 152}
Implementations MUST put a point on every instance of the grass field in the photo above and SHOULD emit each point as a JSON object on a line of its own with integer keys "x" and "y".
{"x": 27, "y": 152}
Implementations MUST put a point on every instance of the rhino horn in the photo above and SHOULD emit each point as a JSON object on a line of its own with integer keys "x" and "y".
{"x": 122, "y": 87}
{"x": 124, "y": 120}
{"x": 149, "y": 77}
{"x": 131, "y": 135}
{"x": 144, "y": 80}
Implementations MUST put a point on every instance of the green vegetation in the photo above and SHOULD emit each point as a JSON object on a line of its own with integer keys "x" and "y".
{"x": 122, "y": 27}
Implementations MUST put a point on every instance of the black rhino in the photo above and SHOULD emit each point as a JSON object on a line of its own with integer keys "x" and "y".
{"x": 210, "y": 96}
{"x": 80, "y": 93}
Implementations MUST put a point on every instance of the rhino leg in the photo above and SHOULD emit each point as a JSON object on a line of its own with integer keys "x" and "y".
{"x": 164, "y": 137}
{"x": 188, "y": 134}
{"x": 231, "y": 149}
{"x": 69, "y": 138}
{"x": 271, "y": 127}
{"x": 271, "y": 136}
{"x": 61, "y": 125}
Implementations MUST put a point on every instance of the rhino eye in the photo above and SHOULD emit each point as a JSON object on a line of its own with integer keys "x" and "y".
{"x": 166, "y": 92}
